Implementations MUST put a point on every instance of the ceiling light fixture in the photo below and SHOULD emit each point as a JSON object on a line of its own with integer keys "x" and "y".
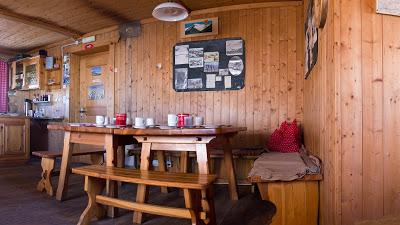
{"x": 170, "y": 11}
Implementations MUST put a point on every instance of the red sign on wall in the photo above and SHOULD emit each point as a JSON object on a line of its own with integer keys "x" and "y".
{"x": 88, "y": 46}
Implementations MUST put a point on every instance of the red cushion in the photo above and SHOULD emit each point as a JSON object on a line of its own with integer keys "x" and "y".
{"x": 286, "y": 138}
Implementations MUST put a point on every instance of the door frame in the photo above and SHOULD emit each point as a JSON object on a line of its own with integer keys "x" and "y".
{"x": 73, "y": 90}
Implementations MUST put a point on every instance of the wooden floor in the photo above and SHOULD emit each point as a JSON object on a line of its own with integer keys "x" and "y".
{"x": 21, "y": 204}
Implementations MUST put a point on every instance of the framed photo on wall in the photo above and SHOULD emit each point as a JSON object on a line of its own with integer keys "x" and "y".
{"x": 389, "y": 7}
{"x": 311, "y": 40}
{"x": 200, "y": 27}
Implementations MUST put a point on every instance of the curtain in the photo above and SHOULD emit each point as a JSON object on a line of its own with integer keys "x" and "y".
{"x": 3, "y": 85}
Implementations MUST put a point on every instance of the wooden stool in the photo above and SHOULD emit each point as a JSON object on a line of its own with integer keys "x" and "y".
{"x": 48, "y": 162}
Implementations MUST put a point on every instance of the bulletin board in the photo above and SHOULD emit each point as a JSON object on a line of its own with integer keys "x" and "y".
{"x": 211, "y": 65}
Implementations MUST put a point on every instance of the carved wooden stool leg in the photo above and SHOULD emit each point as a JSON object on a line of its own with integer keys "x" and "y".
{"x": 93, "y": 187}
{"x": 45, "y": 182}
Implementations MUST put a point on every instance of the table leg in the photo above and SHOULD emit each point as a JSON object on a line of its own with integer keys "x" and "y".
{"x": 141, "y": 189}
{"x": 162, "y": 167}
{"x": 202, "y": 158}
{"x": 65, "y": 168}
{"x": 230, "y": 169}
{"x": 184, "y": 162}
{"x": 112, "y": 187}
{"x": 120, "y": 160}
{"x": 183, "y": 166}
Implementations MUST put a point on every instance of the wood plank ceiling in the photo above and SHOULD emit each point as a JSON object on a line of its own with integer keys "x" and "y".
{"x": 79, "y": 16}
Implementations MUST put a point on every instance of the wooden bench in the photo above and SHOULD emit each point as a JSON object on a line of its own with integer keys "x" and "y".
{"x": 243, "y": 158}
{"x": 246, "y": 153}
{"x": 197, "y": 188}
{"x": 48, "y": 161}
{"x": 296, "y": 202}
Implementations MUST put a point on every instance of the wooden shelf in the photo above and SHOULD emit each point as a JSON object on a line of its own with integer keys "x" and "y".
{"x": 41, "y": 102}
{"x": 54, "y": 69}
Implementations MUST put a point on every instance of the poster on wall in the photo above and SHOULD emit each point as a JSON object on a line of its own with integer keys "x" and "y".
{"x": 201, "y": 27}
{"x": 311, "y": 40}
{"x": 96, "y": 91}
{"x": 389, "y": 7}
{"x": 96, "y": 70}
{"x": 209, "y": 65}
{"x": 66, "y": 71}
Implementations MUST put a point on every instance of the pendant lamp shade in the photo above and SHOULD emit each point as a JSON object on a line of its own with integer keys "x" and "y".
{"x": 170, "y": 11}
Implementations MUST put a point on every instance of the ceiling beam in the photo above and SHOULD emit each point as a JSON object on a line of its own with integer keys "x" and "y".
{"x": 103, "y": 10}
{"x": 32, "y": 21}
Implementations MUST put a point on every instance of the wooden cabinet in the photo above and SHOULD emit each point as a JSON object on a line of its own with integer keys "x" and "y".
{"x": 14, "y": 139}
{"x": 17, "y": 74}
{"x": 28, "y": 74}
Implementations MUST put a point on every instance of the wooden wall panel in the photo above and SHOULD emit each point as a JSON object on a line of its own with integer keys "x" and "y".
{"x": 351, "y": 113}
{"x": 273, "y": 88}
{"x": 391, "y": 109}
{"x": 373, "y": 168}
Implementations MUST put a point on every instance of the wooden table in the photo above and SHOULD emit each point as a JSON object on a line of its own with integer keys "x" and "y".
{"x": 183, "y": 140}
{"x": 103, "y": 137}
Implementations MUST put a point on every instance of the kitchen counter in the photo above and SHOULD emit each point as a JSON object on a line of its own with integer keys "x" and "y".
{"x": 48, "y": 118}
{"x": 17, "y": 116}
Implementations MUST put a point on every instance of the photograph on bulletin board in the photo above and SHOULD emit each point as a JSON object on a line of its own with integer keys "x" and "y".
{"x": 210, "y": 65}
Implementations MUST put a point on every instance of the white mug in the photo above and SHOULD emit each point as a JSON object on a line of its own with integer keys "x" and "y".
{"x": 99, "y": 120}
{"x": 149, "y": 122}
{"x": 106, "y": 120}
{"x": 198, "y": 121}
{"x": 172, "y": 120}
{"x": 139, "y": 122}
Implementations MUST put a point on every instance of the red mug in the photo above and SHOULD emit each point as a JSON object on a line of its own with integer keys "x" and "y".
{"x": 120, "y": 119}
{"x": 181, "y": 119}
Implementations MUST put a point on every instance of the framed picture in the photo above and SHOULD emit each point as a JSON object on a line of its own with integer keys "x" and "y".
{"x": 96, "y": 91}
{"x": 96, "y": 70}
{"x": 201, "y": 27}
{"x": 389, "y": 7}
{"x": 311, "y": 40}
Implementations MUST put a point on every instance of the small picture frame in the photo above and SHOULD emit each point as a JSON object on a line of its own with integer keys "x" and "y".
{"x": 198, "y": 28}
{"x": 388, "y": 7}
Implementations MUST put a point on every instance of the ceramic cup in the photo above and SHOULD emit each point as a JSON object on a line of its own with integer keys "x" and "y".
{"x": 149, "y": 122}
{"x": 172, "y": 120}
{"x": 128, "y": 121}
{"x": 188, "y": 121}
{"x": 106, "y": 120}
{"x": 99, "y": 120}
{"x": 139, "y": 122}
{"x": 198, "y": 121}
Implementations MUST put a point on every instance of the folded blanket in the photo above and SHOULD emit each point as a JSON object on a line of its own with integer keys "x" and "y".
{"x": 284, "y": 166}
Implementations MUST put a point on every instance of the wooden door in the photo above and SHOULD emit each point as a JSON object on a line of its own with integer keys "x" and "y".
{"x": 94, "y": 86}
